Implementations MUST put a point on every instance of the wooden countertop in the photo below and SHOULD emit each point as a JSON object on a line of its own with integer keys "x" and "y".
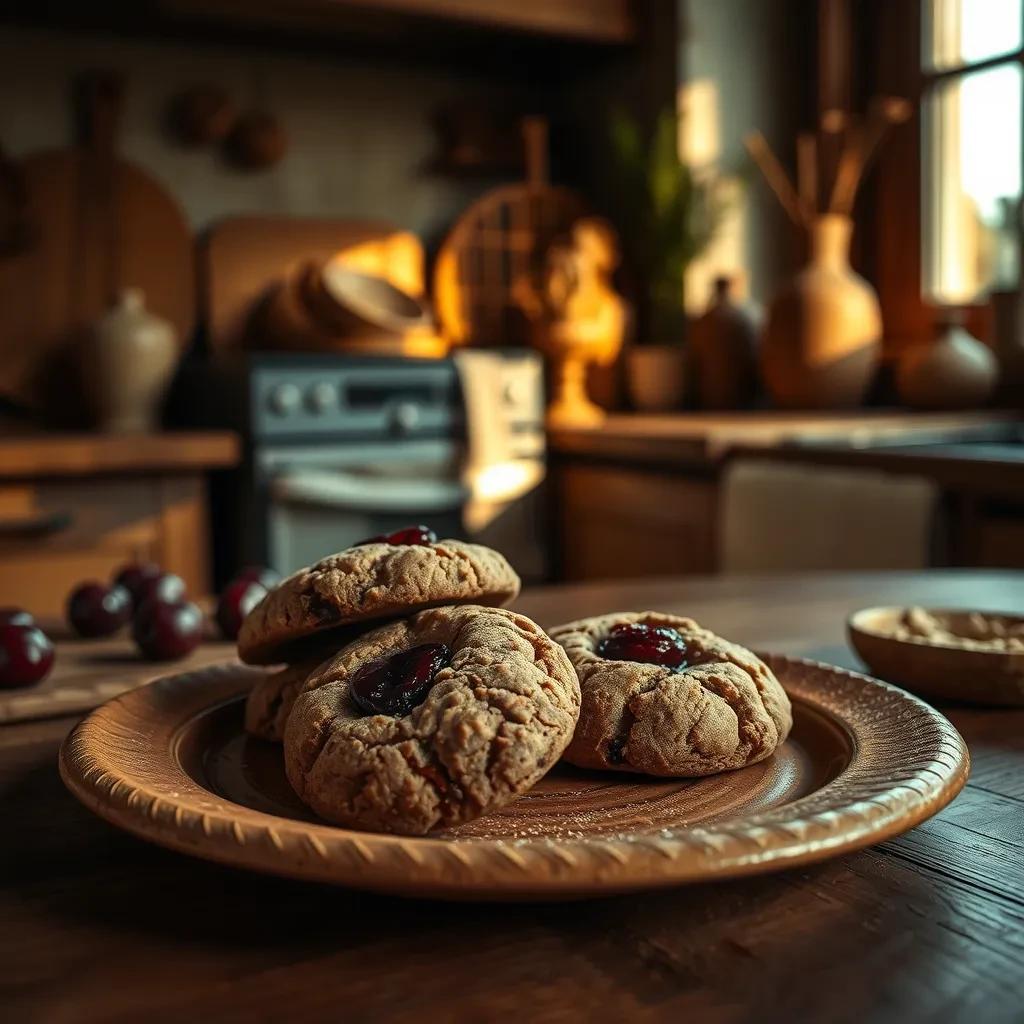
{"x": 705, "y": 437}
{"x": 54, "y": 455}
{"x": 100, "y": 926}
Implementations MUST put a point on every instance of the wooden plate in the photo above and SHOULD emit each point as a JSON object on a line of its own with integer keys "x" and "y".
{"x": 936, "y": 670}
{"x": 169, "y": 762}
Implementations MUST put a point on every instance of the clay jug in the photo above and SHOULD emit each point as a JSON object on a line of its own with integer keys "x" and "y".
{"x": 822, "y": 339}
{"x": 127, "y": 365}
{"x": 955, "y": 371}
{"x": 722, "y": 352}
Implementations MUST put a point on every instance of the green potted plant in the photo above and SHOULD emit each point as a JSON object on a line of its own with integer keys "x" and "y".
{"x": 670, "y": 213}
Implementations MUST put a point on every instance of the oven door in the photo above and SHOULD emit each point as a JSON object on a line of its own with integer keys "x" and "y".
{"x": 317, "y": 509}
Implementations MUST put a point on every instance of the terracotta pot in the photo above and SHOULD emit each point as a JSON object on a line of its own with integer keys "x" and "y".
{"x": 822, "y": 339}
{"x": 657, "y": 377}
{"x": 723, "y": 359}
{"x": 127, "y": 365}
{"x": 955, "y": 371}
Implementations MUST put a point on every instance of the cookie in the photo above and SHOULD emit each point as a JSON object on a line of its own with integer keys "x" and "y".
{"x": 690, "y": 703}
{"x": 343, "y": 593}
{"x": 492, "y": 709}
{"x": 270, "y": 701}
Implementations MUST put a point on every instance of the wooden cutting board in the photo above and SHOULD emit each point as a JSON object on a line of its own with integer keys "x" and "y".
{"x": 95, "y": 224}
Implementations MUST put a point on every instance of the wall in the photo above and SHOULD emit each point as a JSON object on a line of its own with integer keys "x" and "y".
{"x": 360, "y": 137}
{"x": 740, "y": 71}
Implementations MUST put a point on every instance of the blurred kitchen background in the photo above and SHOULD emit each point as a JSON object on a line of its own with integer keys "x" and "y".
{"x": 622, "y": 288}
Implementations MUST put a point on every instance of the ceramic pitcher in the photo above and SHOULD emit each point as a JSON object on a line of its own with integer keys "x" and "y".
{"x": 823, "y": 335}
{"x": 127, "y": 365}
{"x": 955, "y": 371}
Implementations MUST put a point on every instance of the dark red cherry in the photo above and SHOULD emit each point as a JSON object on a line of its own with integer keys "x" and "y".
{"x": 395, "y": 685}
{"x": 651, "y": 645}
{"x": 408, "y": 535}
{"x": 260, "y": 574}
{"x": 413, "y": 535}
{"x": 26, "y": 655}
{"x": 165, "y": 630}
{"x": 99, "y": 609}
{"x": 236, "y": 601}
{"x": 16, "y": 617}
{"x": 165, "y": 589}
{"x": 133, "y": 577}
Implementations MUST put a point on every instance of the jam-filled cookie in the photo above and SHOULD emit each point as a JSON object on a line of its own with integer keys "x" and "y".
{"x": 380, "y": 579}
{"x": 663, "y": 696}
{"x": 270, "y": 701}
{"x": 431, "y": 721}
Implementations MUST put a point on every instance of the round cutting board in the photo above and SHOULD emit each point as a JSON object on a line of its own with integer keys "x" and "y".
{"x": 95, "y": 224}
{"x": 866, "y": 761}
{"x": 497, "y": 246}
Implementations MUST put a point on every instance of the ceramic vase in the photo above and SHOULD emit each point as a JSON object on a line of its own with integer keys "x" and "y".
{"x": 127, "y": 365}
{"x": 955, "y": 371}
{"x": 823, "y": 334}
{"x": 723, "y": 345}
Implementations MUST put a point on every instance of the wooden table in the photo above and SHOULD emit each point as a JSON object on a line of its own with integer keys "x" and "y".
{"x": 99, "y": 926}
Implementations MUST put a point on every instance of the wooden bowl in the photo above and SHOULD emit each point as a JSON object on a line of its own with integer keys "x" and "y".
{"x": 357, "y": 305}
{"x": 282, "y": 321}
{"x": 201, "y": 115}
{"x": 935, "y": 670}
{"x": 295, "y": 315}
{"x": 257, "y": 141}
{"x": 171, "y": 763}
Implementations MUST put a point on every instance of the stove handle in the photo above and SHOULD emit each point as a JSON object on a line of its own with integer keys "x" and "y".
{"x": 348, "y": 492}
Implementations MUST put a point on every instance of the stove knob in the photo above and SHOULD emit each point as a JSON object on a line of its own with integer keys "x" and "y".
{"x": 405, "y": 416}
{"x": 321, "y": 398}
{"x": 284, "y": 399}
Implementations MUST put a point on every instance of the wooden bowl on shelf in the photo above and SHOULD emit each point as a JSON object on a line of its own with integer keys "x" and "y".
{"x": 328, "y": 308}
{"x": 357, "y": 305}
{"x": 937, "y": 670}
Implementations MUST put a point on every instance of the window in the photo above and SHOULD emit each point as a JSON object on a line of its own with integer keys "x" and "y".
{"x": 972, "y": 118}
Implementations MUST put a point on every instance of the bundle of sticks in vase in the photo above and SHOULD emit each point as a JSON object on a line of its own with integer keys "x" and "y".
{"x": 860, "y": 140}
{"x": 822, "y": 336}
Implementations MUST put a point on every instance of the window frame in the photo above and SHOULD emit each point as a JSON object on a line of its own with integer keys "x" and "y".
{"x": 932, "y": 79}
{"x": 893, "y": 250}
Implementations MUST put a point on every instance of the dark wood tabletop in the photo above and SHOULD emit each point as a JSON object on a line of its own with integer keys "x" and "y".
{"x": 98, "y": 926}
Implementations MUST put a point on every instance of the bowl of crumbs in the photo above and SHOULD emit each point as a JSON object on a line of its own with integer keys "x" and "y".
{"x": 944, "y": 653}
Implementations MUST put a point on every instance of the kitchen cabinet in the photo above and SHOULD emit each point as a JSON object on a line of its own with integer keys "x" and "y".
{"x": 640, "y": 496}
{"x": 622, "y": 523}
{"x": 75, "y": 508}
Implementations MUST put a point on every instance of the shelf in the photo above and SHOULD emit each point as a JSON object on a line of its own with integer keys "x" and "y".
{"x": 32, "y": 456}
{"x": 597, "y": 21}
